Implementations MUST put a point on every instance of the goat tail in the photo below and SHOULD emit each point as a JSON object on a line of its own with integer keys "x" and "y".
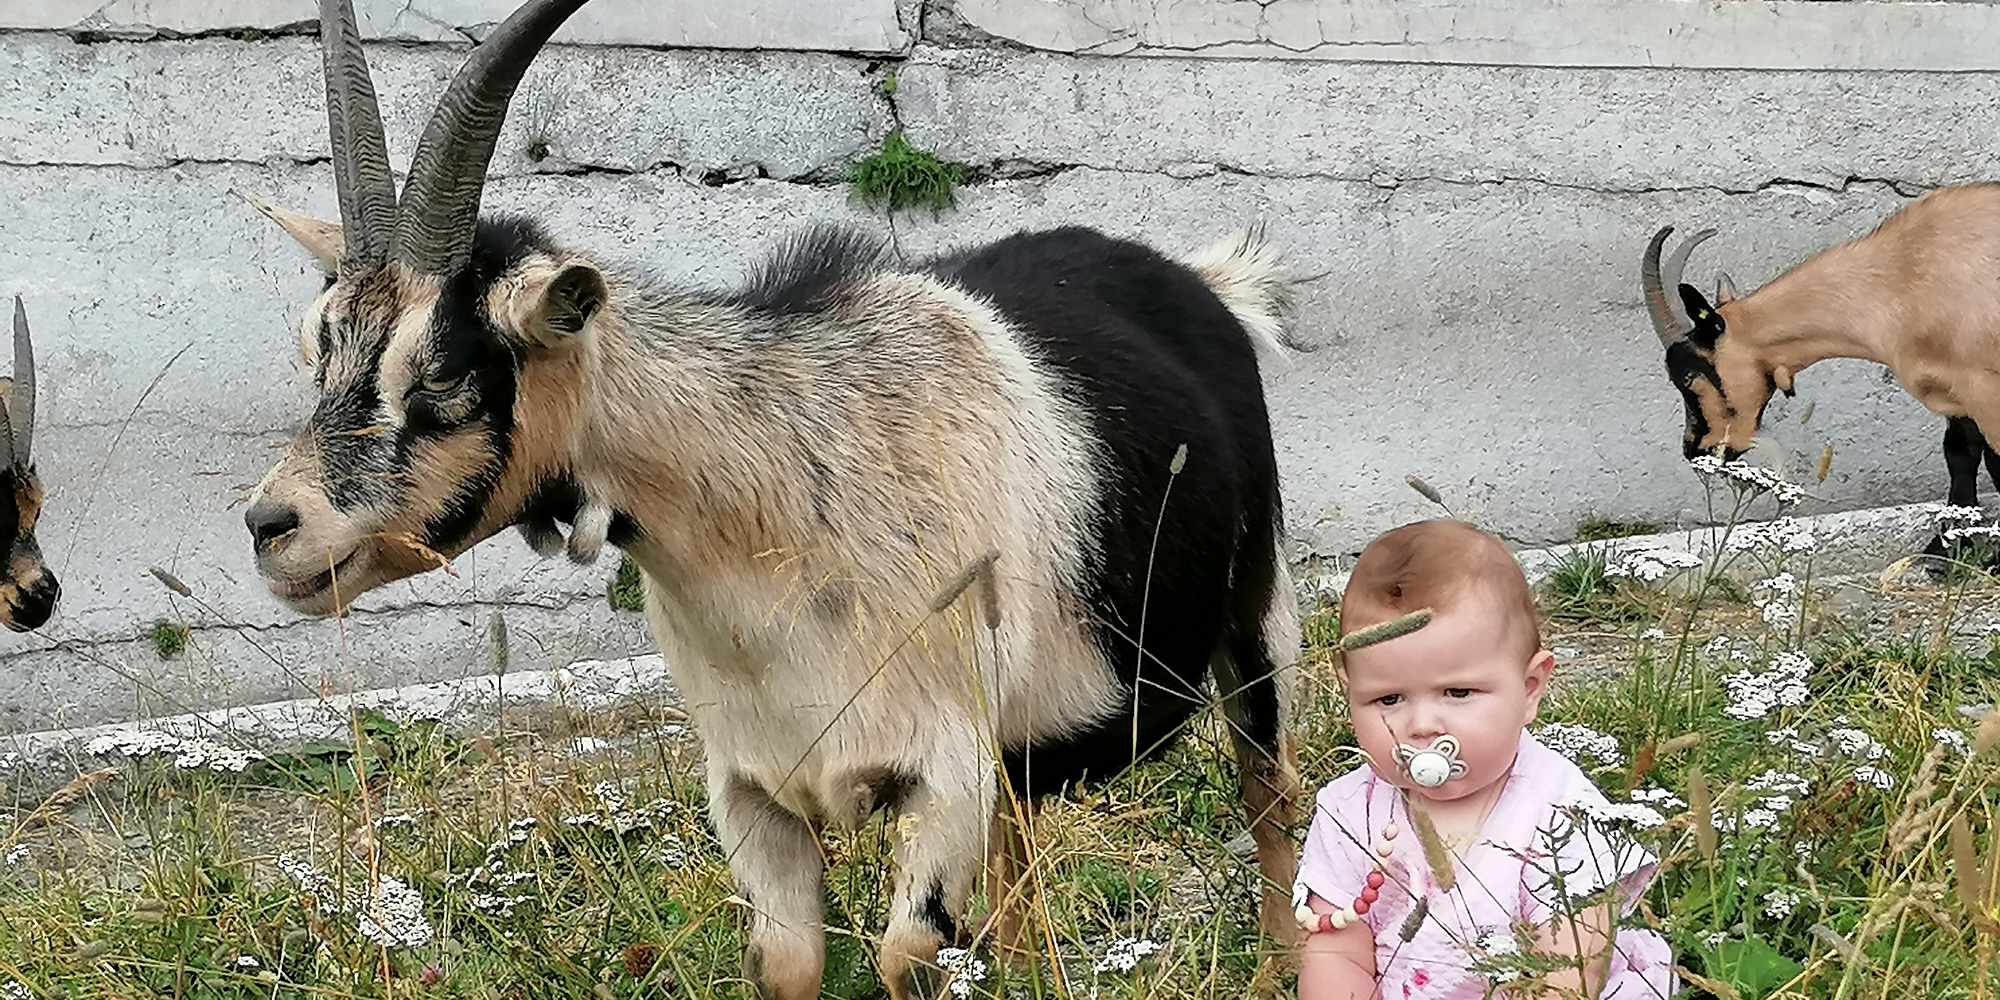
{"x": 1246, "y": 271}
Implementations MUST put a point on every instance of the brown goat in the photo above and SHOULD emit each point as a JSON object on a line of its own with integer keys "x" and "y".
{"x": 28, "y": 588}
{"x": 1920, "y": 294}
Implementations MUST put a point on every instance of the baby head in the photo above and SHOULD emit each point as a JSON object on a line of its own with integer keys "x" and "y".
{"x": 1476, "y": 673}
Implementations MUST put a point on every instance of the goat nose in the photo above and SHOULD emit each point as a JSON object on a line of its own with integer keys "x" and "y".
{"x": 36, "y": 602}
{"x": 269, "y": 522}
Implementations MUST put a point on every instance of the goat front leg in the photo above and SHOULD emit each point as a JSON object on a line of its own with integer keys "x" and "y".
{"x": 775, "y": 861}
{"x": 940, "y": 830}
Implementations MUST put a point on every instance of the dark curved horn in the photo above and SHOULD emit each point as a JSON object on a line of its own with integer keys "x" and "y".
{"x": 1677, "y": 265}
{"x": 354, "y": 127}
{"x": 16, "y": 451}
{"x": 440, "y": 206}
{"x": 1666, "y": 322}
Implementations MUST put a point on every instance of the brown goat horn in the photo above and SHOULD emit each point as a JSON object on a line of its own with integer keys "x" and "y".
{"x": 17, "y": 419}
{"x": 360, "y": 154}
{"x": 1677, "y": 266}
{"x": 440, "y": 208}
{"x": 1666, "y": 321}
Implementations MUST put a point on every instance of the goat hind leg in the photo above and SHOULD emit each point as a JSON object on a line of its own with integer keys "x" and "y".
{"x": 939, "y": 830}
{"x": 1255, "y": 698}
{"x": 775, "y": 861}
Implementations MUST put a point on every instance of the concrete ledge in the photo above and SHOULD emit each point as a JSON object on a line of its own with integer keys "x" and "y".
{"x": 1774, "y": 34}
{"x": 1846, "y": 543}
{"x": 825, "y": 25}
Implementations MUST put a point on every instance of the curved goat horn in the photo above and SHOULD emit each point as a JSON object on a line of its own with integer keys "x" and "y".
{"x": 360, "y": 154}
{"x": 1661, "y": 284}
{"x": 440, "y": 207}
{"x": 18, "y": 422}
{"x": 1666, "y": 322}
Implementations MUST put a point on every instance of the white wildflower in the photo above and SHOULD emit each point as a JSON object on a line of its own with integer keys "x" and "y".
{"x": 1652, "y": 565}
{"x": 15, "y": 990}
{"x": 1713, "y": 938}
{"x": 1499, "y": 943}
{"x": 1953, "y": 514}
{"x": 1783, "y": 585}
{"x": 1856, "y": 744}
{"x": 1638, "y": 814}
{"x": 1652, "y": 635}
{"x": 670, "y": 851}
{"x": 1780, "y": 614}
{"x": 1659, "y": 798}
{"x": 964, "y": 968}
{"x": 1952, "y": 739}
{"x": 1870, "y": 775}
{"x": 17, "y": 855}
{"x": 1754, "y": 695}
{"x": 1785, "y": 534}
{"x": 1717, "y": 646}
{"x": 248, "y": 962}
{"x": 394, "y": 916}
{"x": 1755, "y": 478}
{"x": 1974, "y": 531}
{"x": 396, "y": 820}
{"x": 584, "y": 746}
{"x": 1779, "y": 903}
{"x": 1574, "y": 740}
{"x": 188, "y": 754}
{"x": 1124, "y": 955}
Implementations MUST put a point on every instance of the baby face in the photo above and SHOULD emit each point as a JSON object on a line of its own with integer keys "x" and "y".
{"x": 1453, "y": 676}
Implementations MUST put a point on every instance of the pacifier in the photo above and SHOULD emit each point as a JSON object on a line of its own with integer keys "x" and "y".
{"x": 1433, "y": 765}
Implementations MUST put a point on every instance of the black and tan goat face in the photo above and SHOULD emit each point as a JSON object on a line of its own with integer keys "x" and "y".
{"x": 437, "y": 404}
{"x": 1724, "y": 395}
{"x": 443, "y": 351}
{"x": 28, "y": 588}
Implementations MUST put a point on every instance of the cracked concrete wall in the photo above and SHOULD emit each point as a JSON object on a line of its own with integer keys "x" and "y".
{"x": 1465, "y": 228}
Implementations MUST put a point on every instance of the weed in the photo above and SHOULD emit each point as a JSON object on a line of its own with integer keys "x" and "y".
{"x": 170, "y": 639}
{"x": 627, "y": 591}
{"x": 1582, "y": 586}
{"x": 1595, "y": 529}
{"x": 902, "y": 176}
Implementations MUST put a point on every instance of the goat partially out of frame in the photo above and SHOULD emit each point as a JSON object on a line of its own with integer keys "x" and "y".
{"x": 1920, "y": 294}
{"x": 28, "y": 588}
{"x": 1071, "y": 427}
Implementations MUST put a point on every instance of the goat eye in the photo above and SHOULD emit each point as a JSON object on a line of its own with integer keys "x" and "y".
{"x": 441, "y": 384}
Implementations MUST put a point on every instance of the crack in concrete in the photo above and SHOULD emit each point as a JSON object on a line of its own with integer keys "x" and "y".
{"x": 1026, "y": 169}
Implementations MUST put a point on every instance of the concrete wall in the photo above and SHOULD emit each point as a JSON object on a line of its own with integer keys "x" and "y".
{"x": 1465, "y": 188}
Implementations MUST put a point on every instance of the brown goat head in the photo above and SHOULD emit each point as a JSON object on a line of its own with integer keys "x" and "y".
{"x": 445, "y": 349}
{"x": 28, "y": 588}
{"x": 1724, "y": 395}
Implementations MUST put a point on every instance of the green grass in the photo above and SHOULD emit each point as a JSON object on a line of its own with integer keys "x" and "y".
{"x": 626, "y": 592}
{"x": 169, "y": 639}
{"x": 1596, "y": 529}
{"x": 902, "y": 176}
{"x": 163, "y": 880}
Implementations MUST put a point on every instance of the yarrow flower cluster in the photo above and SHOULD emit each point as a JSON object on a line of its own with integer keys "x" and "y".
{"x": 1779, "y": 903}
{"x": 1574, "y": 740}
{"x": 1784, "y": 534}
{"x": 1870, "y": 775}
{"x": 188, "y": 754}
{"x": 1777, "y": 598}
{"x": 1854, "y": 743}
{"x": 1752, "y": 695}
{"x": 15, "y": 989}
{"x": 1754, "y": 478}
{"x": 1124, "y": 955}
{"x": 963, "y": 967}
{"x": 1603, "y": 814}
{"x": 391, "y": 916}
{"x": 1658, "y": 797}
{"x": 1952, "y": 739}
{"x": 1652, "y": 565}
{"x": 616, "y": 815}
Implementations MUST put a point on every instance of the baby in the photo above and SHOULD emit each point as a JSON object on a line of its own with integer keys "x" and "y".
{"x": 1441, "y": 714}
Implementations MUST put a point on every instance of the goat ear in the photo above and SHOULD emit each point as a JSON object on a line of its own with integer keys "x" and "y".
{"x": 1725, "y": 289}
{"x": 567, "y": 302}
{"x": 1706, "y": 322}
{"x": 317, "y": 235}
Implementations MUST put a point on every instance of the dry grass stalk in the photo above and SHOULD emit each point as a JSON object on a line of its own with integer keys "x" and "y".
{"x": 1988, "y": 734}
{"x": 1685, "y": 741}
{"x": 1435, "y": 853}
{"x": 63, "y": 798}
{"x": 1701, "y": 809}
{"x": 1385, "y": 631}
{"x": 1919, "y": 815}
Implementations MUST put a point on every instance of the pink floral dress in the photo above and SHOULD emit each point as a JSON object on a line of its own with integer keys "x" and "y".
{"x": 1527, "y": 856}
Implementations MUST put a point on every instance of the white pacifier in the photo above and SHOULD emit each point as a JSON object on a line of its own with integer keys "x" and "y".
{"x": 1433, "y": 765}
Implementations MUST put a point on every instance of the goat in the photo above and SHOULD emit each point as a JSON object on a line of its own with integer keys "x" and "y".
{"x": 28, "y": 587}
{"x": 904, "y": 529}
{"x": 1920, "y": 294}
